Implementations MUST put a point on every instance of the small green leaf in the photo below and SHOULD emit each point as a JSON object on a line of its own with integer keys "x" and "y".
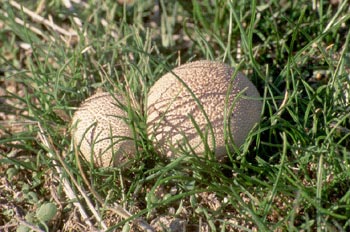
{"x": 30, "y": 217}
{"x": 22, "y": 228}
{"x": 32, "y": 197}
{"x": 126, "y": 227}
{"x": 11, "y": 172}
{"x": 46, "y": 212}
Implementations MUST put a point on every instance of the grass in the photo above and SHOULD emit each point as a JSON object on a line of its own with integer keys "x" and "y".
{"x": 292, "y": 174}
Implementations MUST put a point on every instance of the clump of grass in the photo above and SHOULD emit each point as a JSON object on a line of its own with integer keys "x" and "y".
{"x": 291, "y": 174}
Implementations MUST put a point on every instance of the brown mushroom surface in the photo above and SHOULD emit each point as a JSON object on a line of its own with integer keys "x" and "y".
{"x": 171, "y": 108}
{"x": 100, "y": 131}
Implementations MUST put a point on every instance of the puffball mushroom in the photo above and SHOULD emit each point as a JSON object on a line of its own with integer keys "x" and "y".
{"x": 100, "y": 130}
{"x": 172, "y": 109}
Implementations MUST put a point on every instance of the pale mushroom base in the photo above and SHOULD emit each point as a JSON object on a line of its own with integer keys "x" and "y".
{"x": 100, "y": 132}
{"x": 175, "y": 117}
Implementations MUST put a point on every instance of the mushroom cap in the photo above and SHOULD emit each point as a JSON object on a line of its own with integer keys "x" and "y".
{"x": 170, "y": 107}
{"x": 100, "y": 131}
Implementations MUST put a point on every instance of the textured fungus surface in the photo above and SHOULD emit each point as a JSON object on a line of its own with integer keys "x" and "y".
{"x": 170, "y": 107}
{"x": 100, "y": 130}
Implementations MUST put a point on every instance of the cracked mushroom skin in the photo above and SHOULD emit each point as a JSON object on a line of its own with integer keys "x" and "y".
{"x": 100, "y": 131}
{"x": 171, "y": 108}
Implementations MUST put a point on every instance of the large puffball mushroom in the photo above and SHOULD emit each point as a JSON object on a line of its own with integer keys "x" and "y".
{"x": 175, "y": 119}
{"x": 101, "y": 132}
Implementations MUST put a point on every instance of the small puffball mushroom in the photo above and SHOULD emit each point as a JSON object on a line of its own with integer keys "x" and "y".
{"x": 171, "y": 108}
{"x": 100, "y": 131}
